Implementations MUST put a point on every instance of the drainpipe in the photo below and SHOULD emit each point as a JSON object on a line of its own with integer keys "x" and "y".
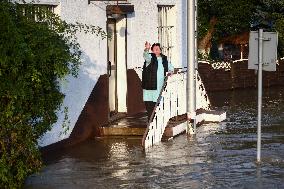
{"x": 195, "y": 60}
{"x": 191, "y": 66}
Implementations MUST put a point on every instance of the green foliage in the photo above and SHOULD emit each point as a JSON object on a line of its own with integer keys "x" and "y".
{"x": 33, "y": 55}
{"x": 235, "y": 17}
{"x": 272, "y": 12}
{"x": 66, "y": 122}
{"x": 232, "y": 16}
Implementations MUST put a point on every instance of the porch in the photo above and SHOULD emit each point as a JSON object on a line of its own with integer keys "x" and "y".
{"x": 135, "y": 126}
{"x": 169, "y": 118}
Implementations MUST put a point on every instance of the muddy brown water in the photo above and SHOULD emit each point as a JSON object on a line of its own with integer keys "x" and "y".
{"x": 220, "y": 156}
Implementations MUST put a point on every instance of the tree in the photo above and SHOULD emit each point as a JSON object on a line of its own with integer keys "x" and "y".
{"x": 221, "y": 18}
{"x": 34, "y": 54}
{"x": 271, "y": 12}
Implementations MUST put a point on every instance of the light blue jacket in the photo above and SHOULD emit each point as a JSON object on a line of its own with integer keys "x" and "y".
{"x": 153, "y": 95}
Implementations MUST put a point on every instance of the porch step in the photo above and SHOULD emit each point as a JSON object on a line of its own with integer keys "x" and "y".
{"x": 122, "y": 131}
{"x": 177, "y": 125}
{"x": 210, "y": 116}
{"x": 126, "y": 126}
{"x": 117, "y": 116}
{"x": 136, "y": 125}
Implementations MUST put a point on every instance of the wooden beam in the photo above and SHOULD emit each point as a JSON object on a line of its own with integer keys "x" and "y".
{"x": 124, "y": 8}
{"x": 89, "y": 1}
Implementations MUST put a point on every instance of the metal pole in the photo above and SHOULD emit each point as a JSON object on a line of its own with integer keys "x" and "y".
{"x": 190, "y": 61}
{"x": 196, "y": 36}
{"x": 260, "y": 51}
{"x": 195, "y": 61}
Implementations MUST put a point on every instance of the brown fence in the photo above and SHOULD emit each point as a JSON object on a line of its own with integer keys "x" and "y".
{"x": 239, "y": 76}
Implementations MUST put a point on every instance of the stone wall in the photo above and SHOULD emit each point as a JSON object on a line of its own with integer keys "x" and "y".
{"x": 239, "y": 76}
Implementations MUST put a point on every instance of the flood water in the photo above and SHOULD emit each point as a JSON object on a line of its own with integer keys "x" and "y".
{"x": 220, "y": 156}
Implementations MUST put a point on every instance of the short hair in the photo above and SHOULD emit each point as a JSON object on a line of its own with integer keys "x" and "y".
{"x": 156, "y": 44}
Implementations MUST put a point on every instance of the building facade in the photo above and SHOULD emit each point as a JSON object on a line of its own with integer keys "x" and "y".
{"x": 161, "y": 21}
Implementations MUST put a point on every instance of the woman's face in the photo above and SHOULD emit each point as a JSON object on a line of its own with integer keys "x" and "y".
{"x": 156, "y": 50}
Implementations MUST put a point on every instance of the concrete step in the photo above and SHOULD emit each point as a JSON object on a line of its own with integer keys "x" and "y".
{"x": 136, "y": 125}
{"x": 210, "y": 116}
{"x": 126, "y": 126}
{"x": 122, "y": 131}
{"x": 177, "y": 125}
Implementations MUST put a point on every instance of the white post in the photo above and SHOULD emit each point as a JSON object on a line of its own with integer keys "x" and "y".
{"x": 195, "y": 61}
{"x": 260, "y": 52}
{"x": 191, "y": 62}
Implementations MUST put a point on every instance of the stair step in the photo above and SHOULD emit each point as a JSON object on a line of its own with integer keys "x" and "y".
{"x": 122, "y": 131}
{"x": 136, "y": 125}
{"x": 210, "y": 116}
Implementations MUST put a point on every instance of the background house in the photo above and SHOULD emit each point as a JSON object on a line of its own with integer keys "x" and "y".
{"x": 234, "y": 47}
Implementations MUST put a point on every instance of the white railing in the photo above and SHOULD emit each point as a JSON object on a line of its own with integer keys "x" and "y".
{"x": 202, "y": 99}
{"x": 227, "y": 65}
{"x": 240, "y": 60}
{"x": 221, "y": 65}
{"x": 172, "y": 103}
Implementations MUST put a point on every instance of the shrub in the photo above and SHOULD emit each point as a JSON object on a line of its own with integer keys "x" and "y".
{"x": 34, "y": 53}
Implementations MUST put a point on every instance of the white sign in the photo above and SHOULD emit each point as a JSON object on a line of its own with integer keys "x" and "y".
{"x": 270, "y": 42}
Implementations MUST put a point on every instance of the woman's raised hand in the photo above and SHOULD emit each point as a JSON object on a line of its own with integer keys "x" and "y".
{"x": 147, "y": 45}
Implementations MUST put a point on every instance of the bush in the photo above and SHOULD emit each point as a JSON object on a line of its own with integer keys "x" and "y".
{"x": 33, "y": 55}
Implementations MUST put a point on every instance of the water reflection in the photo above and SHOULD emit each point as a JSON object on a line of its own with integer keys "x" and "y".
{"x": 118, "y": 151}
{"x": 219, "y": 156}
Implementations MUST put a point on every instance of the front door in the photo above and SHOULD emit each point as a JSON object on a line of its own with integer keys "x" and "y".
{"x": 112, "y": 76}
{"x": 117, "y": 68}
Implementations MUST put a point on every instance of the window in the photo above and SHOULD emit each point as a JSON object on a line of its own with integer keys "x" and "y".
{"x": 38, "y": 9}
{"x": 37, "y": 12}
{"x": 166, "y": 30}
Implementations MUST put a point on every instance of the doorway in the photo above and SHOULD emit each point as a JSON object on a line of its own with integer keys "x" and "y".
{"x": 116, "y": 65}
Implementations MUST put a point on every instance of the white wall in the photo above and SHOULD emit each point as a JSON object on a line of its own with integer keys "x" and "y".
{"x": 94, "y": 58}
{"x": 141, "y": 27}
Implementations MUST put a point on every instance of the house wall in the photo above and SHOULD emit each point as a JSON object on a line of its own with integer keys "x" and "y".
{"x": 94, "y": 58}
{"x": 141, "y": 27}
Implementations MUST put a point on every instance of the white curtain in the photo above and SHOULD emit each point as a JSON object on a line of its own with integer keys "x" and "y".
{"x": 165, "y": 30}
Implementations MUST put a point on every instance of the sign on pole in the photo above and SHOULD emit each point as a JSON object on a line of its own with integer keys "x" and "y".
{"x": 269, "y": 48}
{"x": 262, "y": 56}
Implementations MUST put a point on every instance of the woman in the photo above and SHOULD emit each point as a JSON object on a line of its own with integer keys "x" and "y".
{"x": 155, "y": 67}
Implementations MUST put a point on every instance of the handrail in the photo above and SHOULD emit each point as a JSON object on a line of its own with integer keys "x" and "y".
{"x": 171, "y": 103}
{"x": 153, "y": 113}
